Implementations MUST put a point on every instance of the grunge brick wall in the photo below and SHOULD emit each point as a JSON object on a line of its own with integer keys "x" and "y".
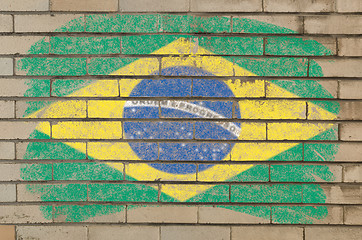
{"x": 181, "y": 119}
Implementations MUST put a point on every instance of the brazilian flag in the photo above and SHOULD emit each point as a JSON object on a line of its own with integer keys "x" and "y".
{"x": 176, "y": 109}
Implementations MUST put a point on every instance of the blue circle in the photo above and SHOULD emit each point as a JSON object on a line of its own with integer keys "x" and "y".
{"x": 179, "y": 87}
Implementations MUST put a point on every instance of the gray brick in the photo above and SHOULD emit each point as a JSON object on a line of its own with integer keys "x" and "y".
{"x": 19, "y": 87}
{"x": 154, "y": 5}
{"x": 17, "y": 130}
{"x": 162, "y": 214}
{"x": 194, "y": 232}
{"x": 299, "y": 5}
{"x": 123, "y": 232}
{"x": 9, "y": 172}
{"x": 6, "y": 23}
{"x": 351, "y": 131}
{"x": 22, "y": 214}
{"x": 349, "y": 152}
{"x": 7, "y": 150}
{"x": 213, "y": 214}
{"x": 41, "y": 23}
{"x": 340, "y": 67}
{"x": 343, "y": 194}
{"x": 52, "y": 232}
{"x": 350, "y": 110}
{"x": 84, "y": 5}
{"x": 28, "y": 5}
{"x": 350, "y": 89}
{"x": 349, "y": 5}
{"x": 350, "y": 46}
{"x": 352, "y": 215}
{"x": 333, "y": 233}
{"x": 18, "y": 44}
{"x": 352, "y": 173}
{"x": 267, "y": 233}
{"x": 226, "y": 6}
{"x": 7, "y": 109}
{"x": 336, "y": 24}
{"x": 7, "y": 192}
{"x": 6, "y": 66}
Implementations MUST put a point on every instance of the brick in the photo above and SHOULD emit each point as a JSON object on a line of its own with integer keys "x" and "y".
{"x": 226, "y": 6}
{"x": 348, "y": 110}
{"x": 55, "y": 109}
{"x": 352, "y": 215}
{"x": 350, "y": 46}
{"x": 19, "y": 130}
{"x": 345, "y": 152}
{"x": 94, "y": 213}
{"x": 32, "y": 172}
{"x": 10, "y": 172}
{"x": 52, "y": 192}
{"x": 305, "y": 173}
{"x": 336, "y": 194}
{"x": 18, "y": 5}
{"x": 267, "y": 233}
{"x": 161, "y": 214}
{"x": 227, "y": 214}
{"x": 352, "y": 173}
{"x": 7, "y": 232}
{"x": 306, "y": 46}
{"x": 7, "y": 150}
{"x": 194, "y": 232}
{"x": 47, "y": 23}
{"x": 8, "y": 192}
{"x": 350, "y": 89}
{"x": 272, "y": 109}
{"x": 299, "y": 6}
{"x": 332, "y": 233}
{"x": 349, "y": 6}
{"x": 105, "y": 88}
{"x": 22, "y": 44}
{"x": 7, "y": 109}
{"x": 87, "y": 130}
{"x": 124, "y": 232}
{"x": 84, "y": 5}
{"x": 20, "y": 88}
{"x": 6, "y": 23}
{"x": 273, "y": 89}
{"x": 154, "y": 6}
{"x": 109, "y": 109}
{"x": 351, "y": 131}
{"x": 52, "y": 232}
{"x": 55, "y": 66}
{"x": 289, "y": 24}
{"x": 6, "y": 66}
{"x": 336, "y": 24}
{"x": 338, "y": 68}
{"x": 22, "y": 214}
{"x": 296, "y": 131}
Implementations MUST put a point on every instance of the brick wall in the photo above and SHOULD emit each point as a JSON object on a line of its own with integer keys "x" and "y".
{"x": 180, "y": 119}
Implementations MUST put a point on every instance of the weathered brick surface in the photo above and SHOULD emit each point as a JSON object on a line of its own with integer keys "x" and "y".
{"x": 154, "y": 6}
{"x": 341, "y": 24}
{"x": 259, "y": 232}
{"x": 196, "y": 233}
{"x": 351, "y": 132}
{"x": 299, "y": 6}
{"x": 124, "y": 232}
{"x": 350, "y": 89}
{"x": 226, "y": 6}
{"x": 324, "y": 233}
{"x": 353, "y": 215}
{"x": 52, "y": 232}
{"x": 84, "y": 5}
{"x": 349, "y": 6}
{"x": 117, "y": 117}
{"x": 8, "y": 193}
{"x": 350, "y": 47}
{"x": 18, "y": 5}
{"x": 6, "y": 66}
